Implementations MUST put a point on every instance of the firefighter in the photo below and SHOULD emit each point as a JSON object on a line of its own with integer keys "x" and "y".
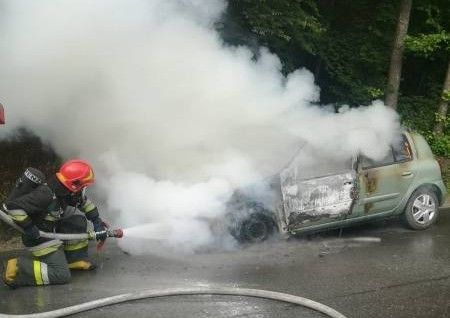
{"x": 59, "y": 205}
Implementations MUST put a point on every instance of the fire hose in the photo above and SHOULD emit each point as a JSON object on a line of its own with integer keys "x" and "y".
{"x": 145, "y": 294}
{"x": 257, "y": 293}
{"x": 117, "y": 233}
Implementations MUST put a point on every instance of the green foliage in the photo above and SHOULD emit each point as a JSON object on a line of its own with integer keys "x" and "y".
{"x": 346, "y": 44}
{"x": 444, "y": 120}
{"x": 439, "y": 143}
{"x": 445, "y": 169}
{"x": 375, "y": 93}
{"x": 356, "y": 50}
{"x": 427, "y": 45}
{"x": 281, "y": 22}
{"x": 420, "y": 114}
{"x": 446, "y": 96}
{"x": 430, "y": 16}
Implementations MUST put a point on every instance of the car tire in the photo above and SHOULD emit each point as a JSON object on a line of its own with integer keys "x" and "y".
{"x": 255, "y": 228}
{"x": 422, "y": 209}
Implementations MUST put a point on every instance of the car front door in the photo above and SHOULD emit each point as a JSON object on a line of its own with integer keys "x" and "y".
{"x": 383, "y": 183}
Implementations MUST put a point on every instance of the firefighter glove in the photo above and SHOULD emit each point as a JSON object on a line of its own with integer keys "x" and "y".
{"x": 32, "y": 232}
{"x": 99, "y": 226}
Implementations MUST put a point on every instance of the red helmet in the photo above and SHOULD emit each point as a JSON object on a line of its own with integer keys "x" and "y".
{"x": 76, "y": 175}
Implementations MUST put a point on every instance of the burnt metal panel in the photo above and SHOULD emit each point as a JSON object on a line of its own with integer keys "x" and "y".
{"x": 306, "y": 201}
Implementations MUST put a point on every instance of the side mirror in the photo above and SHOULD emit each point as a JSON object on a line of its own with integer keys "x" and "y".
{"x": 2, "y": 115}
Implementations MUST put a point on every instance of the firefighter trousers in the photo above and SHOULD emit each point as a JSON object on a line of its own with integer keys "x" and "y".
{"x": 50, "y": 261}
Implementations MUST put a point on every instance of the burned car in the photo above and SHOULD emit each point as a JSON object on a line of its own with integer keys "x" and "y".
{"x": 312, "y": 194}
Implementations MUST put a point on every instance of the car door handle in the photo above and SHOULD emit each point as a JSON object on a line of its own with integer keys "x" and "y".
{"x": 407, "y": 174}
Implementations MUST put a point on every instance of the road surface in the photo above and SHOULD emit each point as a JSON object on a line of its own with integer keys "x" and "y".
{"x": 407, "y": 274}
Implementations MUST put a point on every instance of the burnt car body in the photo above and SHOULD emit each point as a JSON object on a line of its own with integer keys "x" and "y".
{"x": 406, "y": 182}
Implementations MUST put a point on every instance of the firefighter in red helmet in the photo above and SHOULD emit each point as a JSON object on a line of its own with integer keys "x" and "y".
{"x": 57, "y": 205}
{"x": 75, "y": 175}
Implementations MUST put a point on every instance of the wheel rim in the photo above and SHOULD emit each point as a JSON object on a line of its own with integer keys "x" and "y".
{"x": 424, "y": 209}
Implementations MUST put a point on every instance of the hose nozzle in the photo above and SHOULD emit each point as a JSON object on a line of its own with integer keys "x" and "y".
{"x": 117, "y": 233}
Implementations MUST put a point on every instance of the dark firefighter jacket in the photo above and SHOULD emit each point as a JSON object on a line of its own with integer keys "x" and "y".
{"x": 45, "y": 204}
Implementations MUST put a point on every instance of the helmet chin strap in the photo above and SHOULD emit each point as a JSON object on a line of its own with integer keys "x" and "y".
{"x": 83, "y": 192}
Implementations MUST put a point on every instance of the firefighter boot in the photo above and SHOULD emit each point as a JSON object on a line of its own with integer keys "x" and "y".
{"x": 77, "y": 255}
{"x": 10, "y": 273}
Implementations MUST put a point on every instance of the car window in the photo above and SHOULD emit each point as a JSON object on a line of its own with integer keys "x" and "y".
{"x": 367, "y": 163}
{"x": 402, "y": 149}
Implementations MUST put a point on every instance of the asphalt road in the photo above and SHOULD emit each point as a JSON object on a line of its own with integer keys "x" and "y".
{"x": 407, "y": 274}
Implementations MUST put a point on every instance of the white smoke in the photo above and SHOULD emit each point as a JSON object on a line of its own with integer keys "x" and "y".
{"x": 172, "y": 119}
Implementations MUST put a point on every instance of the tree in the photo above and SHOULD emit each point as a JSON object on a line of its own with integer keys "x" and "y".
{"x": 290, "y": 28}
{"x": 355, "y": 50}
{"x": 345, "y": 43}
{"x": 349, "y": 44}
{"x": 395, "y": 67}
{"x": 433, "y": 44}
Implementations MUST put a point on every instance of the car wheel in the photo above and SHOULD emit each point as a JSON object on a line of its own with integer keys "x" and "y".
{"x": 256, "y": 228}
{"x": 422, "y": 209}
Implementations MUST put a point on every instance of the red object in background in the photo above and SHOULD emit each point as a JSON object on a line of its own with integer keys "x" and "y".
{"x": 2, "y": 115}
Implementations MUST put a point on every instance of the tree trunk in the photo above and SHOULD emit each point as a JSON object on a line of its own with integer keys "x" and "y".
{"x": 443, "y": 104}
{"x": 317, "y": 69}
{"x": 395, "y": 68}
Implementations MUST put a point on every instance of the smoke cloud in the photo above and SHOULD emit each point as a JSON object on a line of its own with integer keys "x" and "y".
{"x": 172, "y": 119}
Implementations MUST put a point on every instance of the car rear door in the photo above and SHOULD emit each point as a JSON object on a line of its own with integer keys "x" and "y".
{"x": 383, "y": 183}
{"x": 316, "y": 191}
